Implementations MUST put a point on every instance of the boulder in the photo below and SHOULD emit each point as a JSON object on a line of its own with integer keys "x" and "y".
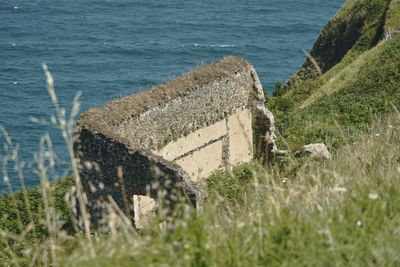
{"x": 317, "y": 150}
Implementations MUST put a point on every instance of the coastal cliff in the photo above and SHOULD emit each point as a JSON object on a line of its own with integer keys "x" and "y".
{"x": 357, "y": 27}
{"x": 350, "y": 77}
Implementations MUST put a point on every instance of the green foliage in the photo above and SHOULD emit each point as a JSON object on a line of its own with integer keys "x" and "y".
{"x": 231, "y": 186}
{"x": 350, "y": 94}
{"x": 340, "y": 212}
{"x": 356, "y": 28}
{"x": 393, "y": 16}
{"x": 283, "y": 104}
{"x": 278, "y": 90}
{"x": 9, "y": 215}
{"x": 352, "y": 104}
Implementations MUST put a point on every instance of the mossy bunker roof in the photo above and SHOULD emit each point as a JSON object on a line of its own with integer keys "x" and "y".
{"x": 101, "y": 119}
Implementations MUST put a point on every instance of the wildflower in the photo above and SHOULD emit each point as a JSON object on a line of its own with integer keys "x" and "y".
{"x": 284, "y": 180}
{"x": 377, "y": 135}
{"x": 358, "y": 157}
{"x": 373, "y": 196}
{"x": 241, "y": 225}
{"x": 178, "y": 244}
{"x": 171, "y": 227}
{"x": 359, "y": 223}
{"x": 53, "y": 119}
{"x": 390, "y": 126}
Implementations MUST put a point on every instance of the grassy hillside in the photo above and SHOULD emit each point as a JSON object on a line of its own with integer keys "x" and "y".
{"x": 350, "y": 94}
{"x": 341, "y": 100}
{"x": 358, "y": 26}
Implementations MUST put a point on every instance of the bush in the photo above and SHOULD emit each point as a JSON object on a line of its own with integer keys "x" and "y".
{"x": 231, "y": 186}
{"x": 16, "y": 216}
{"x": 278, "y": 90}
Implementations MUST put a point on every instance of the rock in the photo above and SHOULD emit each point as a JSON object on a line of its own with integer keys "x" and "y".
{"x": 317, "y": 150}
{"x": 144, "y": 210}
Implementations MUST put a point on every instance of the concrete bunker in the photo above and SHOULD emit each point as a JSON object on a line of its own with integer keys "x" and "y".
{"x": 174, "y": 134}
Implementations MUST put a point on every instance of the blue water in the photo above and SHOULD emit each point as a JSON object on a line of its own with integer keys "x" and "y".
{"x": 112, "y": 48}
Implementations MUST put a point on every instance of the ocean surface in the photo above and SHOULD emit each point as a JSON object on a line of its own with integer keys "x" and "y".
{"x": 112, "y": 48}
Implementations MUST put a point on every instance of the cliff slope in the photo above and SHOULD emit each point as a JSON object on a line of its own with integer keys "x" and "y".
{"x": 355, "y": 76}
{"x": 356, "y": 27}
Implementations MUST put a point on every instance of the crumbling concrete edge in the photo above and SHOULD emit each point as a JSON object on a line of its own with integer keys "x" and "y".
{"x": 263, "y": 125}
{"x": 194, "y": 189}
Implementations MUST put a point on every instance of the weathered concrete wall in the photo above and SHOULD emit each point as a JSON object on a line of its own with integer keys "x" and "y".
{"x": 219, "y": 145}
{"x": 176, "y": 133}
{"x": 109, "y": 167}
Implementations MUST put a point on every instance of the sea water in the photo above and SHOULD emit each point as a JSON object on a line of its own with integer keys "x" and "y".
{"x": 112, "y": 48}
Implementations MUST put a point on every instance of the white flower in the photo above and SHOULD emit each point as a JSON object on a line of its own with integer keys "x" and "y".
{"x": 284, "y": 180}
{"x": 373, "y": 196}
{"x": 390, "y": 126}
{"x": 340, "y": 189}
{"x": 377, "y": 135}
{"x": 53, "y": 119}
{"x": 359, "y": 223}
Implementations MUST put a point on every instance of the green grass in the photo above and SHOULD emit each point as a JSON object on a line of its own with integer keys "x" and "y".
{"x": 340, "y": 212}
{"x": 357, "y": 27}
{"x": 231, "y": 186}
{"x": 345, "y": 211}
{"x": 350, "y": 96}
{"x": 23, "y": 228}
{"x": 9, "y": 221}
{"x": 351, "y": 92}
{"x": 393, "y": 16}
